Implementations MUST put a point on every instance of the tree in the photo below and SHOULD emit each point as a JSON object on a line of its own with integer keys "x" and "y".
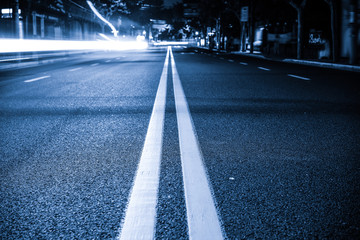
{"x": 334, "y": 29}
{"x": 299, "y": 6}
{"x": 110, "y": 8}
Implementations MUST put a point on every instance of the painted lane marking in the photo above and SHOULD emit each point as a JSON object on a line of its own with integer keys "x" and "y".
{"x": 75, "y": 69}
{"x": 243, "y": 63}
{"x": 221, "y": 58}
{"x": 36, "y": 79}
{"x": 140, "y": 217}
{"x": 14, "y": 59}
{"x": 202, "y": 217}
{"x": 94, "y": 64}
{"x": 265, "y": 69}
{"x": 299, "y": 77}
{"x": 230, "y": 60}
{"x": 108, "y": 61}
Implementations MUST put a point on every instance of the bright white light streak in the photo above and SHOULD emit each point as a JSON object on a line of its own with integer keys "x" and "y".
{"x": 36, "y": 79}
{"x": 299, "y": 77}
{"x": 104, "y": 36}
{"x": 102, "y": 18}
{"x": 25, "y": 45}
{"x": 166, "y": 43}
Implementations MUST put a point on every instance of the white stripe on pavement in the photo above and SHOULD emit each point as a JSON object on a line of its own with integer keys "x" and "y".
{"x": 94, "y": 64}
{"x": 265, "y": 69}
{"x": 243, "y": 63}
{"x": 36, "y": 79}
{"x": 203, "y": 221}
{"x": 299, "y": 77}
{"x": 14, "y": 59}
{"x": 230, "y": 60}
{"x": 140, "y": 217}
{"x": 75, "y": 69}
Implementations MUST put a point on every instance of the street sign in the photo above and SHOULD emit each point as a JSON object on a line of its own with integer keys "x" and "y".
{"x": 244, "y": 14}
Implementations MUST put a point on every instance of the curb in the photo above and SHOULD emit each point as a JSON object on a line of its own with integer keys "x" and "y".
{"x": 336, "y": 66}
{"x": 325, "y": 65}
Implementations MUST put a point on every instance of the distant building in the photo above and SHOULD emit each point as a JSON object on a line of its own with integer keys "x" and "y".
{"x": 61, "y": 19}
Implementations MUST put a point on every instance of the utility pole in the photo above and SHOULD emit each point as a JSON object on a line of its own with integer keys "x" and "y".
{"x": 354, "y": 32}
{"x": 251, "y": 25}
{"x": 16, "y": 19}
{"x": 299, "y": 6}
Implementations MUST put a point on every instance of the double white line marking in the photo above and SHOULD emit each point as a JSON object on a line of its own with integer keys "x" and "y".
{"x": 140, "y": 217}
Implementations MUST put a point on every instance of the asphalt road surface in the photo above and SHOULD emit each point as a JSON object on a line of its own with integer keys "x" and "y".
{"x": 179, "y": 143}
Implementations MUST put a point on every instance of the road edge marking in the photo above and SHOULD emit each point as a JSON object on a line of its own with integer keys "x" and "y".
{"x": 75, "y": 69}
{"x": 140, "y": 215}
{"x": 265, "y": 69}
{"x": 202, "y": 217}
{"x": 36, "y": 79}
{"x": 299, "y": 77}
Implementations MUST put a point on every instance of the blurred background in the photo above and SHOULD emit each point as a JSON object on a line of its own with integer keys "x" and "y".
{"x": 314, "y": 29}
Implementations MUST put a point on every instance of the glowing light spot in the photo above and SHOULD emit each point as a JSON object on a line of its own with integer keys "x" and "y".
{"x": 23, "y": 45}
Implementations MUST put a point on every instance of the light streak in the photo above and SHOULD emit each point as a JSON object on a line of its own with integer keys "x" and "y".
{"x": 169, "y": 43}
{"x": 25, "y": 45}
{"x": 114, "y": 31}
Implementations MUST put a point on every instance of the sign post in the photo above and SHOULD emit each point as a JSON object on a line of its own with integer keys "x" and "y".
{"x": 244, "y": 19}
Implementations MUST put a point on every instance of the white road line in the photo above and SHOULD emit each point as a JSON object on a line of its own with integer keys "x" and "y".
{"x": 107, "y": 61}
{"x": 202, "y": 217}
{"x": 243, "y": 63}
{"x": 94, "y": 64}
{"x": 75, "y": 69}
{"x": 140, "y": 218}
{"x": 14, "y": 59}
{"x": 265, "y": 69}
{"x": 36, "y": 79}
{"x": 299, "y": 77}
{"x": 230, "y": 60}
{"x": 222, "y": 58}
